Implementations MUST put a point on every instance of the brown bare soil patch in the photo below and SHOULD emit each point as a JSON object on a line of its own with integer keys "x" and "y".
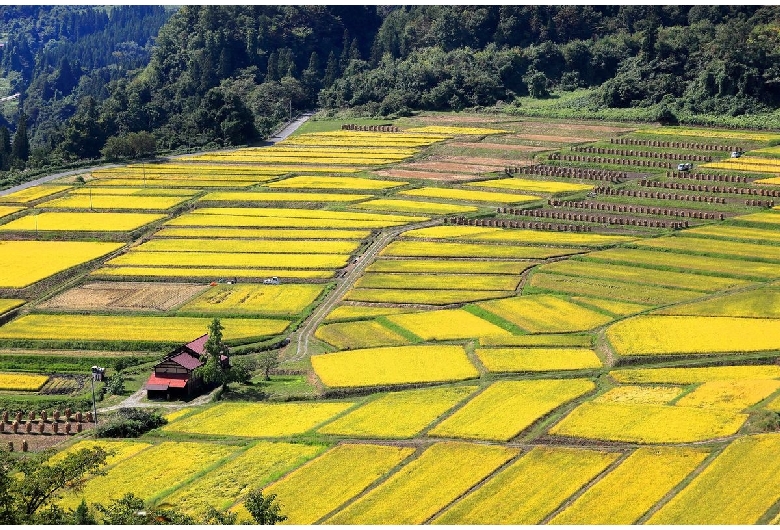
{"x": 38, "y": 442}
{"x": 500, "y": 147}
{"x": 427, "y": 175}
{"x": 449, "y": 166}
{"x": 125, "y": 296}
{"x": 552, "y": 138}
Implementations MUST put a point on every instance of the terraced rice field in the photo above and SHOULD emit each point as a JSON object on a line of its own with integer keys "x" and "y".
{"x": 80, "y": 222}
{"x": 258, "y": 419}
{"x": 153, "y": 471}
{"x": 230, "y": 259}
{"x": 349, "y": 312}
{"x": 757, "y": 303}
{"x": 404, "y": 206}
{"x": 675, "y": 335}
{"x": 22, "y": 382}
{"x": 506, "y": 408}
{"x": 334, "y": 183}
{"x": 32, "y": 194}
{"x": 422, "y": 296}
{"x": 124, "y": 296}
{"x": 538, "y": 186}
{"x": 686, "y": 376}
{"x": 255, "y": 467}
{"x": 273, "y": 197}
{"x": 449, "y": 266}
{"x": 249, "y": 233}
{"x": 121, "y": 328}
{"x": 23, "y": 263}
{"x": 531, "y": 488}
{"x": 8, "y": 210}
{"x": 393, "y": 366}
{"x": 537, "y": 359}
{"x": 280, "y": 300}
{"x": 543, "y": 313}
{"x": 114, "y": 202}
{"x": 300, "y": 246}
{"x": 210, "y": 273}
{"x": 469, "y": 195}
{"x": 437, "y": 477}
{"x": 319, "y": 487}
{"x": 6, "y": 304}
{"x": 351, "y": 335}
{"x": 642, "y": 480}
{"x": 424, "y": 249}
{"x": 459, "y": 282}
{"x": 447, "y": 324}
{"x": 737, "y": 488}
{"x": 522, "y": 236}
{"x": 398, "y": 414}
{"x": 648, "y": 423}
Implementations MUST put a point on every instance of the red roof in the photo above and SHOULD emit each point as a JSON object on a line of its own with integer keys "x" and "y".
{"x": 198, "y": 344}
{"x": 163, "y": 383}
{"x": 187, "y": 361}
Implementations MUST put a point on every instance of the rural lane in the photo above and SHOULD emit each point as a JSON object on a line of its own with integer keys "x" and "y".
{"x": 286, "y": 131}
{"x": 301, "y": 336}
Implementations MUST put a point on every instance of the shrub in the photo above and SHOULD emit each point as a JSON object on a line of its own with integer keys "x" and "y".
{"x": 130, "y": 423}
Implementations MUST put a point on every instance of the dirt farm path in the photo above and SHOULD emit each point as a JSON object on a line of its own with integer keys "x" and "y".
{"x": 300, "y": 337}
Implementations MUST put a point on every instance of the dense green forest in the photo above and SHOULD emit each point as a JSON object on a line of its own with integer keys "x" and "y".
{"x": 127, "y": 81}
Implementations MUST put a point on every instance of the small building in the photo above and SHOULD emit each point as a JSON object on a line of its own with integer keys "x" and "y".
{"x": 174, "y": 377}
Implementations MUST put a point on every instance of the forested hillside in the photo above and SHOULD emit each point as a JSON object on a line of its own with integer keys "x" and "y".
{"x": 103, "y": 82}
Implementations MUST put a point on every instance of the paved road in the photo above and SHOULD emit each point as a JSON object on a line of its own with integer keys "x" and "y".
{"x": 300, "y": 338}
{"x": 281, "y": 135}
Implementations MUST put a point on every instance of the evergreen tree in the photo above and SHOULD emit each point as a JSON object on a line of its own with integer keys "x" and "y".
{"x": 331, "y": 70}
{"x": 20, "y": 150}
{"x": 5, "y": 148}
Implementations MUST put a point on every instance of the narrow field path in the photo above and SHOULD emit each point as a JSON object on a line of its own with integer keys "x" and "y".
{"x": 300, "y": 338}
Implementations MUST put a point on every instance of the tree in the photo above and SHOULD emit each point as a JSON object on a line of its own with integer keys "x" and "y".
{"x": 30, "y": 486}
{"x": 131, "y": 510}
{"x": 116, "y": 384}
{"x": 219, "y": 371}
{"x": 20, "y": 150}
{"x": 268, "y": 361}
{"x": 263, "y": 508}
{"x": 537, "y": 85}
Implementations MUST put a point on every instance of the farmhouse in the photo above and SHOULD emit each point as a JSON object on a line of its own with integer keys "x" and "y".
{"x": 174, "y": 376}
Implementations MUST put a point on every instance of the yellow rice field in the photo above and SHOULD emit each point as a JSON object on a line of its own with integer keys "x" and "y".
{"x": 250, "y": 233}
{"x": 8, "y": 210}
{"x": 444, "y": 129}
{"x": 756, "y": 303}
{"x": 611, "y": 306}
{"x": 398, "y": 414}
{"x": 120, "y": 449}
{"x": 449, "y": 266}
{"x": 672, "y": 335}
{"x": 515, "y": 235}
{"x": 351, "y": 335}
{"x": 22, "y": 382}
{"x": 634, "y": 487}
{"x": 771, "y": 217}
{"x": 440, "y": 475}
{"x": 545, "y": 313}
{"x": 288, "y": 299}
{"x": 253, "y": 468}
{"x": 446, "y": 324}
{"x": 322, "y": 485}
{"x": 133, "y": 328}
{"x": 537, "y": 359}
{"x": 266, "y": 420}
{"x": 530, "y": 489}
{"x": 625, "y": 273}
{"x": 404, "y": 206}
{"x": 747, "y": 163}
{"x": 80, "y": 222}
{"x": 640, "y": 395}
{"x": 335, "y": 183}
{"x": 211, "y": 273}
{"x": 114, "y": 202}
{"x": 351, "y": 311}
{"x": 687, "y": 376}
{"x": 736, "y": 395}
{"x": 469, "y": 195}
{"x": 422, "y": 296}
{"x": 758, "y": 235}
{"x": 393, "y": 365}
{"x": 199, "y": 220}
{"x": 364, "y": 139}
{"x": 738, "y": 487}
{"x": 460, "y": 282}
{"x": 426, "y": 249}
{"x": 544, "y": 339}
{"x": 25, "y": 262}
{"x": 539, "y": 186}
{"x": 230, "y": 259}
{"x": 269, "y": 196}
{"x": 152, "y": 472}
{"x": 506, "y": 408}
{"x": 285, "y": 246}
{"x": 711, "y": 133}
{"x": 133, "y": 192}
{"x": 709, "y": 246}
{"x": 181, "y": 182}
{"x": 6, "y": 304}
{"x": 32, "y": 194}
{"x": 648, "y": 423}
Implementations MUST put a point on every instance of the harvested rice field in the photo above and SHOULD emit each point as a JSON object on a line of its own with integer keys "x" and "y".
{"x": 121, "y": 296}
